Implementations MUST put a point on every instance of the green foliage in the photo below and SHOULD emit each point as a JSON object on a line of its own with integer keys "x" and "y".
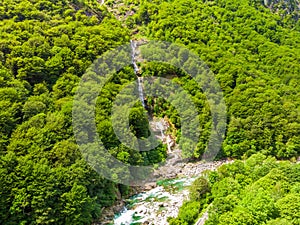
{"x": 289, "y": 208}
{"x": 187, "y": 214}
{"x": 254, "y": 54}
{"x": 199, "y": 189}
{"x": 47, "y": 45}
{"x": 265, "y": 198}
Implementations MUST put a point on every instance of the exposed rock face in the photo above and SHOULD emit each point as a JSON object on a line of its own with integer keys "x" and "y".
{"x": 150, "y": 186}
{"x": 285, "y": 4}
{"x": 203, "y": 219}
{"x": 285, "y": 7}
{"x": 119, "y": 9}
{"x": 109, "y": 213}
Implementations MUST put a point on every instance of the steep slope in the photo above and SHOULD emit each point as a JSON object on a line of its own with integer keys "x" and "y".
{"x": 256, "y": 191}
{"x": 45, "y": 46}
{"x": 254, "y": 54}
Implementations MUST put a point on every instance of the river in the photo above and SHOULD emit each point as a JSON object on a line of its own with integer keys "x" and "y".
{"x": 154, "y": 206}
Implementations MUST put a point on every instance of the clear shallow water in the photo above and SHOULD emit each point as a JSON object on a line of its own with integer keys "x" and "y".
{"x": 147, "y": 205}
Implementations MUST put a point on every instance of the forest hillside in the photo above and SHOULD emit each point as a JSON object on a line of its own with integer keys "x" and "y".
{"x": 251, "y": 46}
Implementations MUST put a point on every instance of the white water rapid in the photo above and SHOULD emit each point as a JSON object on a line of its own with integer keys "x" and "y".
{"x": 156, "y": 205}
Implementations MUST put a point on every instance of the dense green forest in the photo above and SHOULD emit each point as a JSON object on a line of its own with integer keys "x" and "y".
{"x": 254, "y": 54}
{"x": 47, "y": 45}
{"x": 256, "y": 191}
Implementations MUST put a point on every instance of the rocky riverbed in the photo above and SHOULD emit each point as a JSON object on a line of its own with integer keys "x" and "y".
{"x": 159, "y": 200}
{"x": 156, "y": 205}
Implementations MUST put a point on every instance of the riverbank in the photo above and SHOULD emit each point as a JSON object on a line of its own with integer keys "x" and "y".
{"x": 156, "y": 201}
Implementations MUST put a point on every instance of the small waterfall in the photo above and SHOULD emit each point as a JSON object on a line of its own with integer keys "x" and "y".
{"x": 136, "y": 71}
{"x": 141, "y": 92}
{"x": 133, "y": 48}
